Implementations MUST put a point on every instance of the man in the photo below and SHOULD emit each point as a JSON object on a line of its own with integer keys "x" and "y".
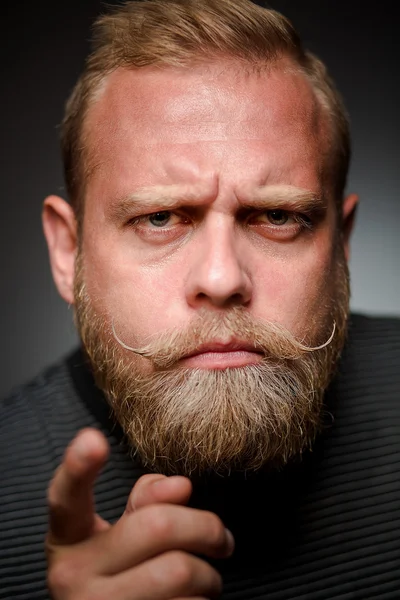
{"x": 204, "y": 249}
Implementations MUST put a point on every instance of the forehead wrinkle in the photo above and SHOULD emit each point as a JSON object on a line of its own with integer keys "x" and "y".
{"x": 312, "y": 119}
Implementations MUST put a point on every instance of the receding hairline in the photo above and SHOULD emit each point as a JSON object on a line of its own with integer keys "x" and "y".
{"x": 215, "y": 63}
{"x": 175, "y": 33}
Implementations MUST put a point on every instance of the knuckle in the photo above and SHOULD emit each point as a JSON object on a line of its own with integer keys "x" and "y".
{"x": 66, "y": 574}
{"x": 60, "y": 578}
{"x": 178, "y": 571}
{"x": 184, "y": 575}
{"x": 158, "y": 522}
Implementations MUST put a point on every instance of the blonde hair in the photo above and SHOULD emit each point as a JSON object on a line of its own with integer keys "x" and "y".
{"x": 179, "y": 33}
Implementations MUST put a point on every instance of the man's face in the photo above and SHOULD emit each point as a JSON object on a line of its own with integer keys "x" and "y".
{"x": 189, "y": 166}
{"x": 207, "y": 196}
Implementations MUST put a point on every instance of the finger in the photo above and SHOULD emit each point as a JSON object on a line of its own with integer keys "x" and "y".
{"x": 72, "y": 515}
{"x": 159, "y": 528}
{"x": 156, "y": 488}
{"x": 170, "y": 575}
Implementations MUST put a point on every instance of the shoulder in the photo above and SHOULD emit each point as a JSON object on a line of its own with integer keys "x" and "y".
{"x": 373, "y": 330}
{"x": 38, "y": 417}
{"x": 29, "y": 453}
{"x": 365, "y": 394}
{"x": 373, "y": 350}
{"x": 37, "y": 422}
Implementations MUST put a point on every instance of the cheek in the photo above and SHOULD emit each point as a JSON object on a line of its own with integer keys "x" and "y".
{"x": 295, "y": 290}
{"x": 152, "y": 301}
{"x": 141, "y": 300}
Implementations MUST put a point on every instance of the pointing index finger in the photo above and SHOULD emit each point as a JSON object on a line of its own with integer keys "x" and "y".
{"x": 72, "y": 515}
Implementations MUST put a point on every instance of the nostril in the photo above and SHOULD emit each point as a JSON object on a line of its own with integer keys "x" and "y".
{"x": 236, "y": 299}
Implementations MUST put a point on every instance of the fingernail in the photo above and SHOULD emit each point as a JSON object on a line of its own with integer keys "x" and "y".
{"x": 230, "y": 542}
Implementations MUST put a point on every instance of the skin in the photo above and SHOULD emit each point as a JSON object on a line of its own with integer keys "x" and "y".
{"x": 147, "y": 554}
{"x": 220, "y": 140}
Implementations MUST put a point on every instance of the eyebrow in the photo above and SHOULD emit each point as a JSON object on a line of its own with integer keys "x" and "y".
{"x": 160, "y": 197}
{"x": 171, "y": 197}
{"x": 287, "y": 197}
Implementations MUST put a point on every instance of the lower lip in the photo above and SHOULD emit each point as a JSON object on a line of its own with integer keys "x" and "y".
{"x": 222, "y": 360}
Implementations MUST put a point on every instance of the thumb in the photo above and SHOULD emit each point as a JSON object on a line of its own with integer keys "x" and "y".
{"x": 155, "y": 488}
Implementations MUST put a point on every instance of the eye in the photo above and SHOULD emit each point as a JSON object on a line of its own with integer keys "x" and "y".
{"x": 282, "y": 222}
{"x": 277, "y": 217}
{"x": 160, "y": 225}
{"x": 160, "y": 219}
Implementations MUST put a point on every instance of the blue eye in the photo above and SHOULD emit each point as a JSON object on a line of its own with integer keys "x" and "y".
{"x": 160, "y": 219}
{"x": 277, "y": 217}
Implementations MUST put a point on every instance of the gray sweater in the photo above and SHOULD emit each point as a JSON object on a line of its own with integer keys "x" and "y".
{"x": 326, "y": 527}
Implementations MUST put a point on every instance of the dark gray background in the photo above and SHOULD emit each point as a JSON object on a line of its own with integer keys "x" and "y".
{"x": 43, "y": 49}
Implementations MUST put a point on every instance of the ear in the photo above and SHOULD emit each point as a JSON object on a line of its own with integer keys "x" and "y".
{"x": 60, "y": 230}
{"x": 348, "y": 216}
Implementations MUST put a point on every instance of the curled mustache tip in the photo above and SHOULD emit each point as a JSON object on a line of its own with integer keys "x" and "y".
{"x": 117, "y": 339}
{"x": 330, "y": 338}
{"x": 324, "y": 345}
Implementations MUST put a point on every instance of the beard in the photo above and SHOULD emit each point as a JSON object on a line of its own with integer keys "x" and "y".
{"x": 190, "y": 421}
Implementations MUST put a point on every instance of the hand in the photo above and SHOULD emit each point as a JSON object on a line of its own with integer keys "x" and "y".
{"x": 147, "y": 555}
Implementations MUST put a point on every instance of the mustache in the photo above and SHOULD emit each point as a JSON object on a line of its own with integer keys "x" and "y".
{"x": 271, "y": 339}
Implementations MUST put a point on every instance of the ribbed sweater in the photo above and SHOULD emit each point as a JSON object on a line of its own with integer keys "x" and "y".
{"x": 326, "y": 527}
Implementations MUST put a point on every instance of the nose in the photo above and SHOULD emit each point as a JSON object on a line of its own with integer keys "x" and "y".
{"x": 218, "y": 275}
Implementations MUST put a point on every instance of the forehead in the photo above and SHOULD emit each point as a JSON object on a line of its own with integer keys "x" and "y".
{"x": 142, "y": 111}
{"x": 198, "y": 96}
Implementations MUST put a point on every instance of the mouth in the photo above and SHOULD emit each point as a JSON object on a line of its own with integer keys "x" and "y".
{"x": 219, "y": 355}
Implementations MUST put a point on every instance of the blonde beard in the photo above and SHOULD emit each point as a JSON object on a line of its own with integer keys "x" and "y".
{"x": 187, "y": 421}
